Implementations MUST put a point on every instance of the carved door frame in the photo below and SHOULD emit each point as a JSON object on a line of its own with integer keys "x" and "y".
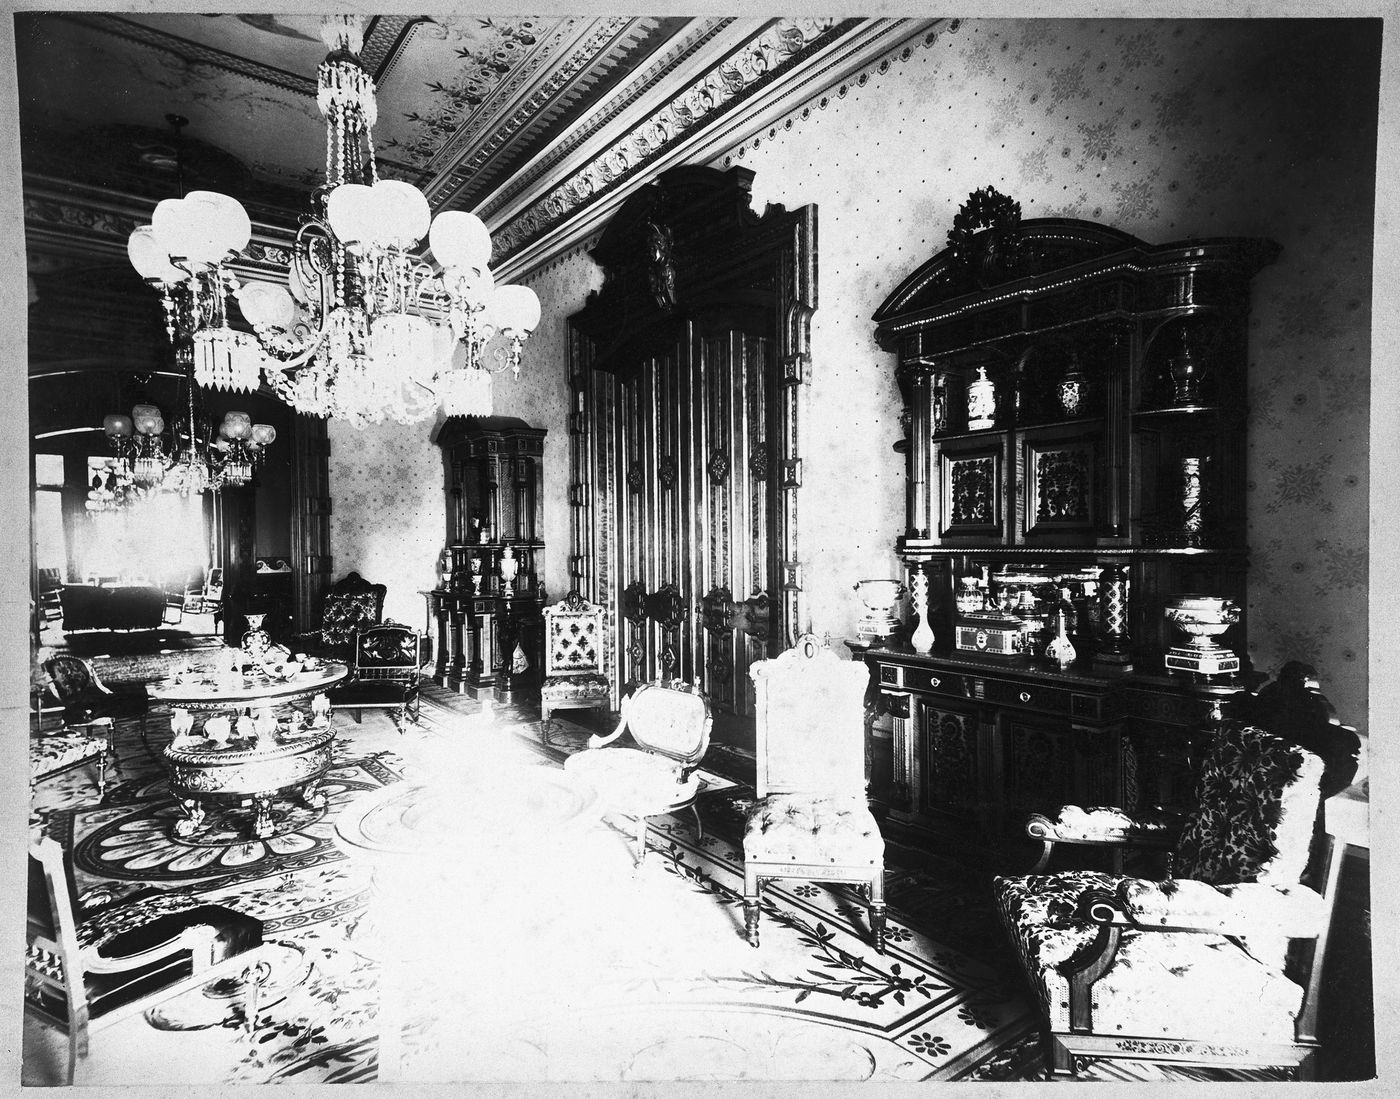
{"x": 688, "y": 254}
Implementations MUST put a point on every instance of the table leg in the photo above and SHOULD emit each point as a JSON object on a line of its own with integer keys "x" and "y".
{"x": 262, "y": 815}
{"x": 194, "y": 817}
{"x": 312, "y": 796}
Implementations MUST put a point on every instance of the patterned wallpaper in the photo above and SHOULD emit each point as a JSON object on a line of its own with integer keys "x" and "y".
{"x": 388, "y": 513}
{"x": 389, "y": 519}
{"x": 1166, "y": 129}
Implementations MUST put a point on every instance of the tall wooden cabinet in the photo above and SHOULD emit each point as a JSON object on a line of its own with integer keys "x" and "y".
{"x": 1074, "y": 439}
{"x": 484, "y": 614}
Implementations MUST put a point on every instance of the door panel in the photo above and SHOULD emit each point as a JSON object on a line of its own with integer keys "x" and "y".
{"x": 684, "y": 448}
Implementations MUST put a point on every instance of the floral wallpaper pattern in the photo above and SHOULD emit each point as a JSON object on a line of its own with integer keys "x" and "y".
{"x": 388, "y": 512}
{"x": 1167, "y": 129}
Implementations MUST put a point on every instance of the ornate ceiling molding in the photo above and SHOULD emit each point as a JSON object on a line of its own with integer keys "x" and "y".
{"x": 694, "y": 50}
{"x": 773, "y": 73}
{"x": 759, "y": 61}
{"x": 519, "y": 98}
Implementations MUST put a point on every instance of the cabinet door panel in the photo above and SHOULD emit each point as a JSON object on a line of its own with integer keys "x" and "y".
{"x": 954, "y": 763}
{"x": 1038, "y": 769}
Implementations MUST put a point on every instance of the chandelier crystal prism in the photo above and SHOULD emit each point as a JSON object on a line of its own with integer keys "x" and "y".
{"x": 365, "y": 329}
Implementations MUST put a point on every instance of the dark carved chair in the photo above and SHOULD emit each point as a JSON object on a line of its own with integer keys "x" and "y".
{"x": 1220, "y": 964}
{"x": 86, "y": 701}
{"x": 385, "y": 669}
{"x": 50, "y": 597}
{"x": 88, "y": 969}
{"x": 351, "y": 604}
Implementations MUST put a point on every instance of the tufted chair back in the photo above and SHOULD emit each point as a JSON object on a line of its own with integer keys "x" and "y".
{"x": 351, "y": 603}
{"x": 1258, "y": 798}
{"x": 73, "y": 678}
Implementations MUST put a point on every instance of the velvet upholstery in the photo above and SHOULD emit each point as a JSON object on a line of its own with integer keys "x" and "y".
{"x": 385, "y": 669}
{"x": 352, "y": 603}
{"x": 86, "y": 699}
{"x": 1197, "y": 967}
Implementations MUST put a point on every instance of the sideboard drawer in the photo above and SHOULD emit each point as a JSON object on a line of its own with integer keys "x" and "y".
{"x": 928, "y": 680}
{"x": 1033, "y": 696}
{"x": 937, "y": 682}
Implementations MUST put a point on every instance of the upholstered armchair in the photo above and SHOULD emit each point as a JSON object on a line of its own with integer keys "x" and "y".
{"x": 90, "y": 966}
{"x": 812, "y": 821}
{"x": 351, "y": 604}
{"x": 385, "y": 668}
{"x": 573, "y": 659}
{"x": 1221, "y": 963}
{"x": 89, "y": 704}
{"x": 670, "y": 726}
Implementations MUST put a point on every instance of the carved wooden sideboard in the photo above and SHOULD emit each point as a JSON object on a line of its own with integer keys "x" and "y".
{"x": 484, "y": 615}
{"x": 975, "y": 748}
{"x": 1074, "y": 440}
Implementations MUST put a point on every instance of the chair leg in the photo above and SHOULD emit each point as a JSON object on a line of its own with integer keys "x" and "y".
{"x": 699, "y": 828}
{"x": 111, "y": 739}
{"x": 752, "y": 889}
{"x": 1059, "y": 1060}
{"x": 641, "y": 841}
{"x": 877, "y": 924}
{"x": 875, "y": 891}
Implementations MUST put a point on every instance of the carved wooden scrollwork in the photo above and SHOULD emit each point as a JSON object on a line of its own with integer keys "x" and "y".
{"x": 666, "y": 607}
{"x": 754, "y": 617}
{"x": 634, "y": 603}
{"x": 705, "y": 305}
{"x": 717, "y": 611}
{"x": 722, "y": 615}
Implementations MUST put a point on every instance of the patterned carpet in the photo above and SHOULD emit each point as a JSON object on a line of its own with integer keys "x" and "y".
{"x": 555, "y": 974}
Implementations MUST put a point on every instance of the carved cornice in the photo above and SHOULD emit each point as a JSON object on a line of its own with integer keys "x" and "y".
{"x": 66, "y": 217}
{"x": 498, "y": 120}
{"x": 753, "y": 66}
{"x": 769, "y": 76}
{"x": 685, "y": 46}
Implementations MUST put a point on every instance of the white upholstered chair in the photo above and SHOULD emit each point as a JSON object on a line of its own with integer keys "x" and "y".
{"x": 812, "y": 821}
{"x": 670, "y": 724}
{"x": 573, "y": 659}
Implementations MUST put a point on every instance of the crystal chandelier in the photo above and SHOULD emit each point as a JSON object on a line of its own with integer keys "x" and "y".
{"x": 365, "y": 329}
{"x": 190, "y": 465}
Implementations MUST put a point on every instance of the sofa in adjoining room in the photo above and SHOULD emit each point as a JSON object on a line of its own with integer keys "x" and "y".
{"x": 121, "y": 607}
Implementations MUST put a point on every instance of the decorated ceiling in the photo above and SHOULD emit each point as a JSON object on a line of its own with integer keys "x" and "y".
{"x": 536, "y": 123}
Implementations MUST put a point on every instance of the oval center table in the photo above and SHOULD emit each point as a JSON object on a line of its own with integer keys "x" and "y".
{"x": 279, "y": 757}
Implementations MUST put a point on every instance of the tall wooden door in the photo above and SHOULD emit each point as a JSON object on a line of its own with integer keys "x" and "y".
{"x": 686, "y": 374}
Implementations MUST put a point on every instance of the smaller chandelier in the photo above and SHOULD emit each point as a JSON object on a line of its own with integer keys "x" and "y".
{"x": 239, "y": 448}
{"x": 137, "y": 442}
